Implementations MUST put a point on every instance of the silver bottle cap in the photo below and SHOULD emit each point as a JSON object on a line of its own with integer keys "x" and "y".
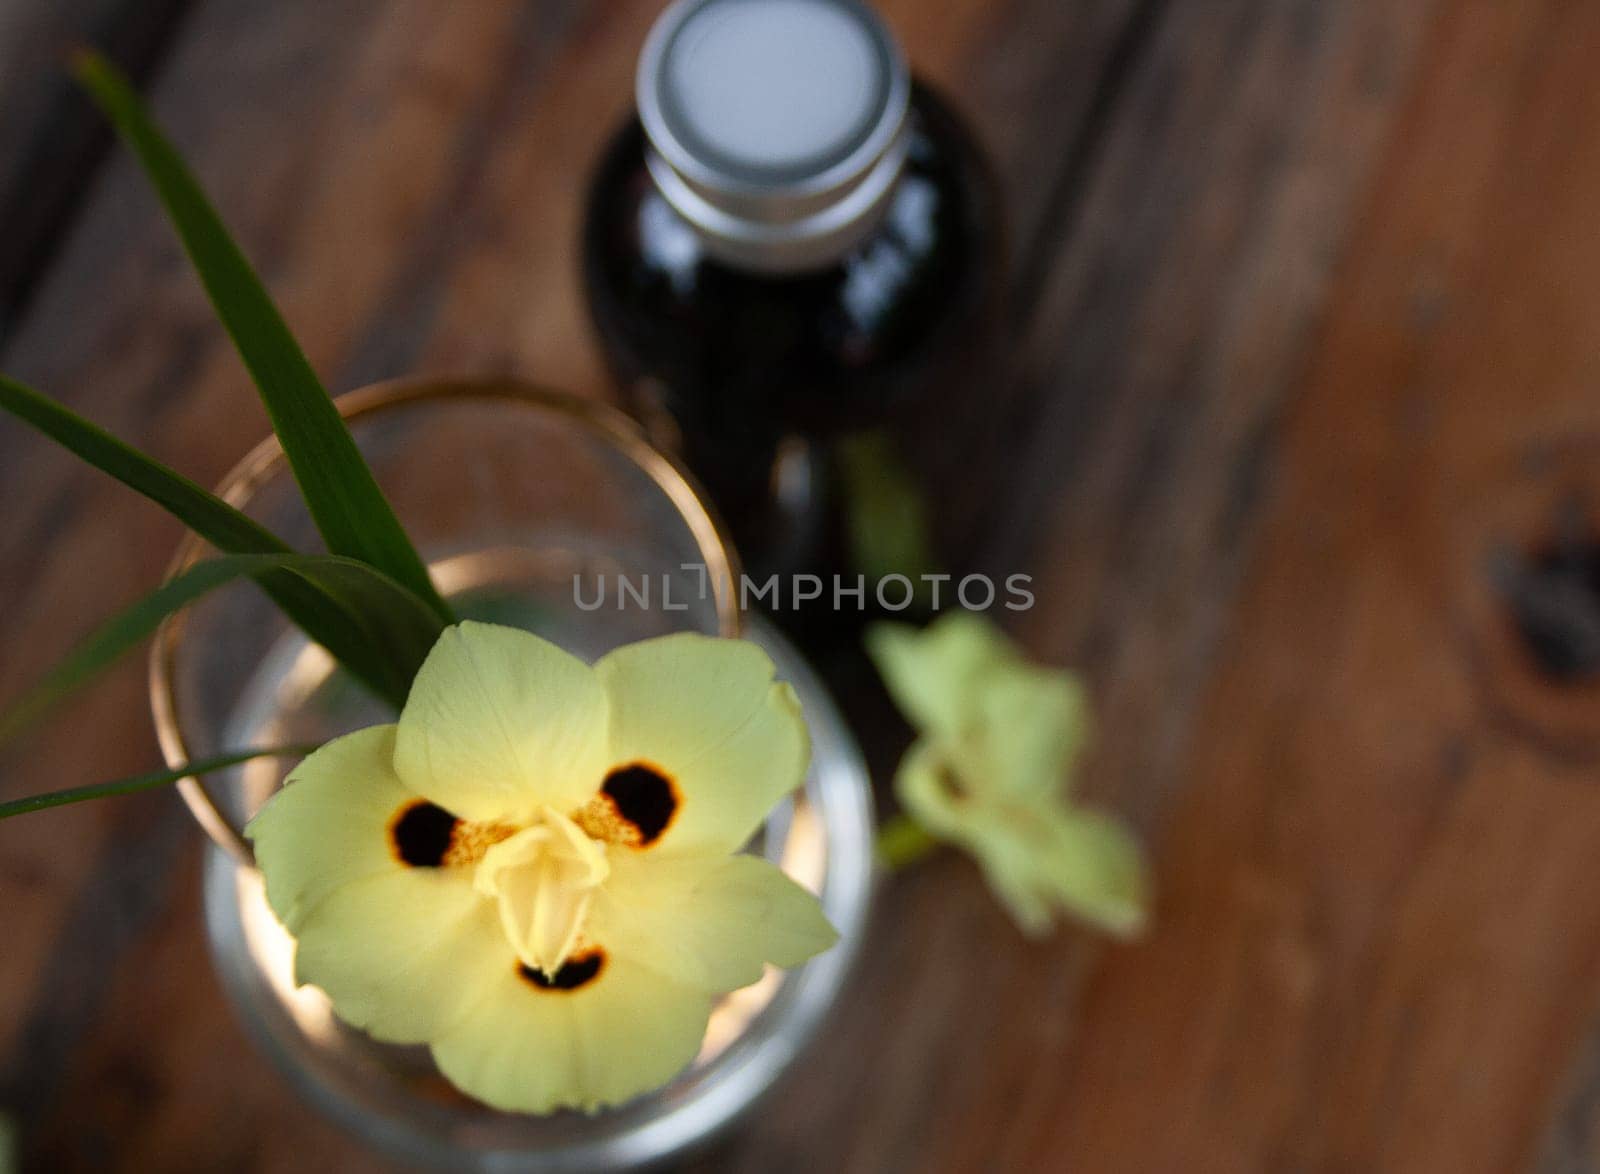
{"x": 776, "y": 127}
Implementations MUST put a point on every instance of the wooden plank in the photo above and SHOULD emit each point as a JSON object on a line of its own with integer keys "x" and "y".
{"x": 51, "y": 143}
{"x": 1376, "y": 945}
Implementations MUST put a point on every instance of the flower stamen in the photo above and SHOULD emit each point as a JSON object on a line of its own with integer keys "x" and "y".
{"x": 544, "y": 878}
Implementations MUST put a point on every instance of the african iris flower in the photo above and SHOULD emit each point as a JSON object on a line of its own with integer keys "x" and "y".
{"x": 535, "y": 870}
{"x": 991, "y": 772}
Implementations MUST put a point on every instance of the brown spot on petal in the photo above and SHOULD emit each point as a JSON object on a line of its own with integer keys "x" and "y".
{"x": 421, "y": 833}
{"x": 643, "y": 796}
{"x": 578, "y": 970}
{"x": 425, "y": 835}
{"x": 635, "y": 805}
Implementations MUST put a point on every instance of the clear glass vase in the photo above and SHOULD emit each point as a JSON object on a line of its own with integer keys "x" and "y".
{"x": 553, "y": 514}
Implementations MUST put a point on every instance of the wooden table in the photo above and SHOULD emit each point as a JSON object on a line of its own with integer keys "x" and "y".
{"x": 1308, "y": 294}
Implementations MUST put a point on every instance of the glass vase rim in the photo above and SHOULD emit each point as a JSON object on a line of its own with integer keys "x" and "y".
{"x": 608, "y": 424}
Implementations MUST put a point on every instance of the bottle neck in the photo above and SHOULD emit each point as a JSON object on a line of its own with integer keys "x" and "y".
{"x": 783, "y": 232}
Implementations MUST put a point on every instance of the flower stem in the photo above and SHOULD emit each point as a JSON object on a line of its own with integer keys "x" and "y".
{"x": 902, "y": 842}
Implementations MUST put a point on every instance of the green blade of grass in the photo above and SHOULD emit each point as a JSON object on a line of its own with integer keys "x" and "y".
{"x": 387, "y": 611}
{"x": 334, "y": 621}
{"x": 344, "y": 499}
{"x": 145, "y": 782}
{"x": 203, "y": 512}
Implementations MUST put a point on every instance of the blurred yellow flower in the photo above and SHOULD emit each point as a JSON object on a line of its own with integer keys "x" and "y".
{"x": 533, "y": 871}
{"x": 991, "y": 772}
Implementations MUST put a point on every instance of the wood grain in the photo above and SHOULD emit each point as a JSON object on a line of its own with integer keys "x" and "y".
{"x": 51, "y": 141}
{"x": 1375, "y": 949}
{"x": 1305, "y": 342}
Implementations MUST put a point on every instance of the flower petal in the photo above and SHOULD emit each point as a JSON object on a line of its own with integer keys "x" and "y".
{"x": 932, "y": 672}
{"x": 928, "y": 786}
{"x": 1029, "y": 724}
{"x": 1040, "y": 857}
{"x": 330, "y": 824}
{"x": 529, "y": 1048}
{"x": 1098, "y": 871}
{"x": 392, "y": 944}
{"x": 500, "y": 723}
{"x": 402, "y": 955}
{"x": 710, "y": 922}
{"x": 1005, "y": 726}
{"x": 707, "y": 714}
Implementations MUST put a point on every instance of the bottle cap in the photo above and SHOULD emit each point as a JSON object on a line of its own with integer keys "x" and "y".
{"x": 776, "y": 127}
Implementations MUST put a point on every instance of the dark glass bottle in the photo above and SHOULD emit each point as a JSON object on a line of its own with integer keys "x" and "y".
{"x": 754, "y": 317}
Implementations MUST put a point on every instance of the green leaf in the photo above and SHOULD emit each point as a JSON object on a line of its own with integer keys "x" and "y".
{"x": 384, "y": 611}
{"x": 203, "y": 512}
{"x": 146, "y": 782}
{"x": 331, "y": 618}
{"x": 349, "y": 509}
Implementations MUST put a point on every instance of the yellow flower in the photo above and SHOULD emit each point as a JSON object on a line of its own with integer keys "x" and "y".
{"x": 991, "y": 771}
{"x": 533, "y": 871}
